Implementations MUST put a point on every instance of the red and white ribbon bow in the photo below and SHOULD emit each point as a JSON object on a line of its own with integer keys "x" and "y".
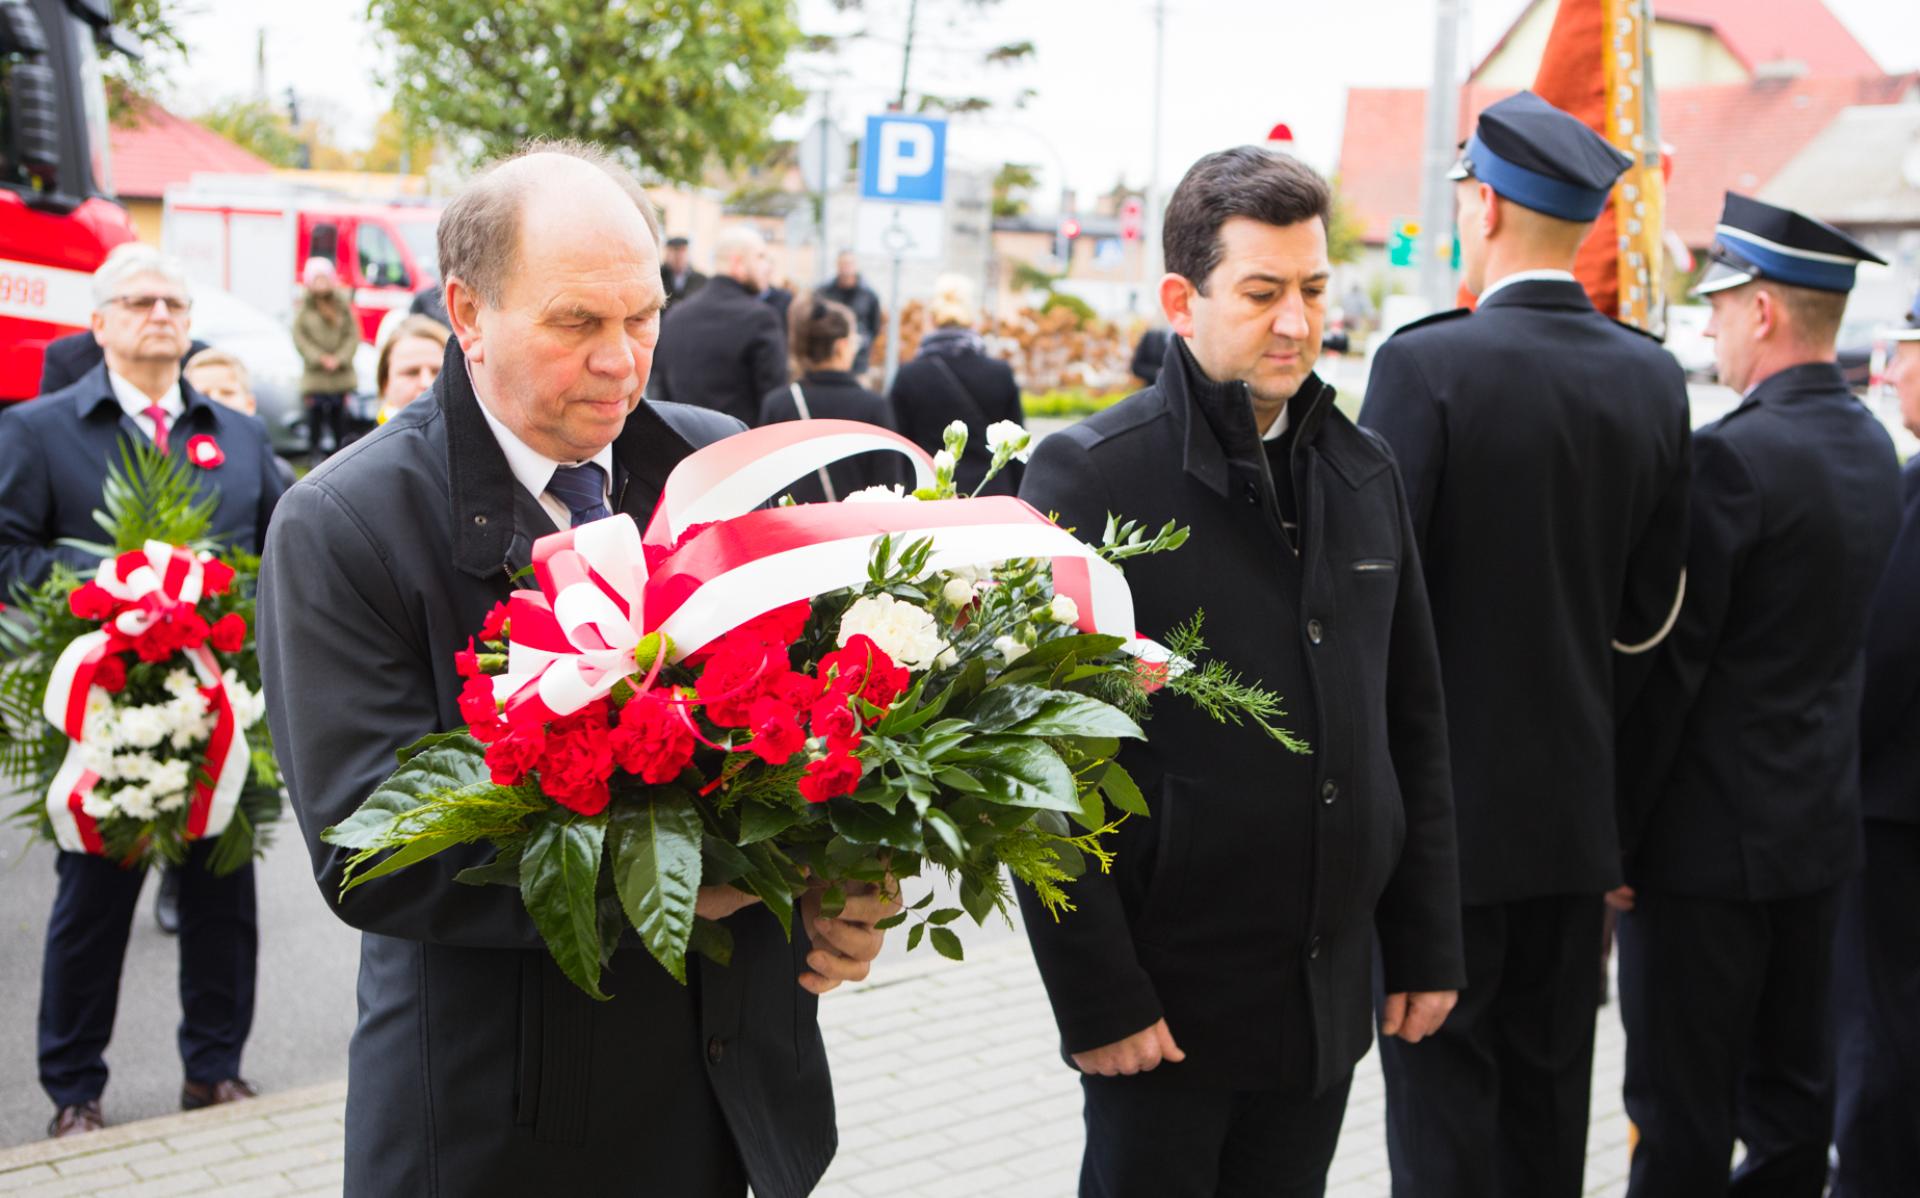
{"x": 158, "y": 581}
{"x": 574, "y": 638}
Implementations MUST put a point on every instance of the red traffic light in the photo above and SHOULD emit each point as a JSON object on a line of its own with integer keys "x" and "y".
{"x": 1070, "y": 228}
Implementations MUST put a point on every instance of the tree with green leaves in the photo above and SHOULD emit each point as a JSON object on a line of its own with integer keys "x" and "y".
{"x": 257, "y": 127}
{"x": 675, "y": 85}
{"x": 132, "y": 82}
{"x": 999, "y": 55}
{"x": 1013, "y": 186}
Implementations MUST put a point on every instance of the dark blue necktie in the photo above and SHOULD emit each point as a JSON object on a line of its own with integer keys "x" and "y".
{"x": 583, "y": 489}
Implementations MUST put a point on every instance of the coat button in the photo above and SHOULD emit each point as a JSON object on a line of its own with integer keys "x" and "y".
{"x": 1315, "y": 631}
{"x": 1313, "y": 949}
{"x": 716, "y": 1049}
{"x": 1329, "y": 792}
{"x": 1253, "y": 493}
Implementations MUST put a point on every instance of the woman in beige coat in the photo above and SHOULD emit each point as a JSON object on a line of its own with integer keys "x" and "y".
{"x": 326, "y": 333}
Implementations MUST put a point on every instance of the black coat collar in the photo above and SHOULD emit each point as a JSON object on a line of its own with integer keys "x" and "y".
{"x": 1809, "y": 380}
{"x": 94, "y": 392}
{"x": 1225, "y": 430}
{"x": 1540, "y": 293}
{"x": 495, "y": 520}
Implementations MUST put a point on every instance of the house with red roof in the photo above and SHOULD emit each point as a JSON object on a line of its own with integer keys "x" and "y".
{"x": 156, "y": 148}
{"x": 1745, "y": 88}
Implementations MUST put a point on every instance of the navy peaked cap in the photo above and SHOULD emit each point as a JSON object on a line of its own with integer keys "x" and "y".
{"x": 1541, "y": 158}
{"x": 1760, "y": 241}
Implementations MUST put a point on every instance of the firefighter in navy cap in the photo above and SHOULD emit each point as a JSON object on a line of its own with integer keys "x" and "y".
{"x": 1740, "y": 780}
{"x": 1546, "y": 458}
{"x": 1877, "y": 967}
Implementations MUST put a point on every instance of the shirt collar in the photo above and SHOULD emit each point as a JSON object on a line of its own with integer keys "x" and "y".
{"x": 1528, "y": 276}
{"x": 1279, "y": 428}
{"x": 531, "y": 468}
{"x": 135, "y": 402}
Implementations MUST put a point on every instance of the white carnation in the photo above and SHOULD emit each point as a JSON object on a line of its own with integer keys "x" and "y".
{"x": 954, "y": 437}
{"x": 958, "y": 591}
{"x": 180, "y": 682}
{"x": 135, "y": 802}
{"x": 169, "y": 777}
{"x": 1064, "y": 610}
{"x": 903, "y": 631}
{"x": 142, "y": 727}
{"x": 877, "y": 494}
{"x": 97, "y": 806}
{"x": 1010, "y": 649}
{"x": 948, "y": 659}
{"x": 1004, "y": 437}
{"x": 943, "y": 463}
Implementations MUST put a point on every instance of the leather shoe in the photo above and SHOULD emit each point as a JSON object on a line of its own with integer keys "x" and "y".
{"x": 76, "y": 1119}
{"x": 195, "y": 1095}
{"x": 166, "y": 904}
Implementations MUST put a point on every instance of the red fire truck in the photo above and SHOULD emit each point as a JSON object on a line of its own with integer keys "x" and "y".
{"x": 57, "y": 215}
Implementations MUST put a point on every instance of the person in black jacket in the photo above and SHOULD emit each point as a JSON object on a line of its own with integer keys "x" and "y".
{"x": 677, "y": 274}
{"x": 951, "y": 378}
{"x": 1215, "y": 988}
{"x": 1877, "y": 965}
{"x": 476, "y": 1066}
{"x": 848, "y": 288}
{"x": 54, "y": 454}
{"x": 823, "y": 339}
{"x": 724, "y": 347}
{"x": 1545, "y": 449}
{"x": 1740, "y": 779}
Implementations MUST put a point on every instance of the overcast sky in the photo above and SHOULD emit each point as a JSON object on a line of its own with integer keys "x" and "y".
{"x": 1233, "y": 69}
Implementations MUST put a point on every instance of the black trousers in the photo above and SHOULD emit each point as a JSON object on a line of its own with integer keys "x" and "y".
{"x": 1494, "y": 1105}
{"x": 87, "y": 943}
{"x": 1147, "y": 1140}
{"x": 1727, "y": 1006}
{"x": 327, "y": 411}
{"x": 1876, "y": 995}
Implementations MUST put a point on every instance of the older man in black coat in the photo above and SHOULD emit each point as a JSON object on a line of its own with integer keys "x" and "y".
{"x": 1546, "y": 450}
{"x": 1740, "y": 772}
{"x": 54, "y": 456}
{"x": 1215, "y": 988}
{"x": 477, "y": 1068}
{"x": 725, "y": 347}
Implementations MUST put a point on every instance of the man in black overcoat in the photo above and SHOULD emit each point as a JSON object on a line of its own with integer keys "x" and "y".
{"x": 1215, "y": 988}
{"x": 725, "y": 347}
{"x": 1546, "y": 453}
{"x": 1877, "y": 963}
{"x": 54, "y": 455}
{"x": 1740, "y": 768}
{"x": 476, "y": 1067}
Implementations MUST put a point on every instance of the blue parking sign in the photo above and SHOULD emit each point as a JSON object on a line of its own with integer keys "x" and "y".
{"x": 904, "y": 159}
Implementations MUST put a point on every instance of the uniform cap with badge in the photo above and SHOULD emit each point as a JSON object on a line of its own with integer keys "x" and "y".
{"x": 1756, "y": 240}
{"x": 1542, "y": 158}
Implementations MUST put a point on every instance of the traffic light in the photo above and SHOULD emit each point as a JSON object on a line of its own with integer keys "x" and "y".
{"x": 1069, "y": 233}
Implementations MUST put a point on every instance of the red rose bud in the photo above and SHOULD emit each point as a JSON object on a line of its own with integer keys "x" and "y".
{"x": 229, "y": 633}
{"x": 776, "y": 733}
{"x": 216, "y": 577}
{"x": 829, "y": 777}
{"x": 111, "y": 674}
{"x": 90, "y": 601}
{"x": 204, "y": 452}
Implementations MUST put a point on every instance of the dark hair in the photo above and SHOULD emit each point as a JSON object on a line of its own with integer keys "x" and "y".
{"x": 1272, "y": 188}
{"x": 817, "y": 325}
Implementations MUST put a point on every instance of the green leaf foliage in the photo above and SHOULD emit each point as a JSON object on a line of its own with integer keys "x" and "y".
{"x": 1122, "y": 791}
{"x": 1019, "y": 771}
{"x": 459, "y": 765}
{"x": 558, "y": 874}
{"x": 656, "y": 869}
{"x": 946, "y": 943}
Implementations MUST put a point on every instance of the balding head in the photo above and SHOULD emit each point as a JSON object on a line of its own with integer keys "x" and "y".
{"x": 741, "y": 254}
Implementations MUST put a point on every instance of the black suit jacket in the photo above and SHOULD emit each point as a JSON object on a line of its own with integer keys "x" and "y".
{"x": 1890, "y": 698}
{"x": 1547, "y": 460}
{"x": 724, "y": 348}
{"x": 54, "y": 454}
{"x": 476, "y": 1067}
{"x": 67, "y": 359}
{"x": 1246, "y": 910}
{"x": 837, "y": 395}
{"x": 1741, "y": 756}
{"x": 934, "y": 390}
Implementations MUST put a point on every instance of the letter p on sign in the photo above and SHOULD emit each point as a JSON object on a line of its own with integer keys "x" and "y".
{"x": 904, "y": 159}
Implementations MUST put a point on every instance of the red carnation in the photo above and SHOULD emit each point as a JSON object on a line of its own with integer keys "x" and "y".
{"x": 216, "y": 577}
{"x": 90, "y": 601}
{"x": 782, "y": 626}
{"x": 510, "y": 757}
{"x": 834, "y": 720}
{"x": 776, "y": 733}
{"x": 481, "y": 711}
{"x": 578, "y": 760}
{"x": 496, "y": 622}
{"x": 653, "y": 740}
{"x": 205, "y": 452}
{"x": 229, "y": 633}
{"x": 837, "y": 774}
{"x": 863, "y": 668}
{"x": 111, "y": 673}
{"x": 733, "y": 678}
{"x": 466, "y": 662}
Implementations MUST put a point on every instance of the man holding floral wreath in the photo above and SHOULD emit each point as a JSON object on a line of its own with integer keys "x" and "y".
{"x": 477, "y": 1066}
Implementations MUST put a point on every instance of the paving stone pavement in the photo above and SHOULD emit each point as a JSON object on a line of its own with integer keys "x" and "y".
{"x": 947, "y": 1081}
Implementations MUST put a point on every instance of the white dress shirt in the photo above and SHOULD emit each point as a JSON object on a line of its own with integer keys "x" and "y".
{"x": 534, "y": 470}
{"x": 135, "y": 402}
{"x": 1528, "y": 276}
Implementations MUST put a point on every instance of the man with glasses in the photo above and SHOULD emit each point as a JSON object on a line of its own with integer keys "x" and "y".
{"x": 54, "y": 454}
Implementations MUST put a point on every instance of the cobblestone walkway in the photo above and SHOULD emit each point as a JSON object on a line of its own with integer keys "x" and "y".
{"x": 982, "y": 1109}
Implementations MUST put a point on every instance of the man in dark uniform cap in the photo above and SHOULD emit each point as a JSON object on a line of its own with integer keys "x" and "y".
{"x": 1545, "y": 451}
{"x": 1740, "y": 778}
{"x": 1877, "y": 967}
